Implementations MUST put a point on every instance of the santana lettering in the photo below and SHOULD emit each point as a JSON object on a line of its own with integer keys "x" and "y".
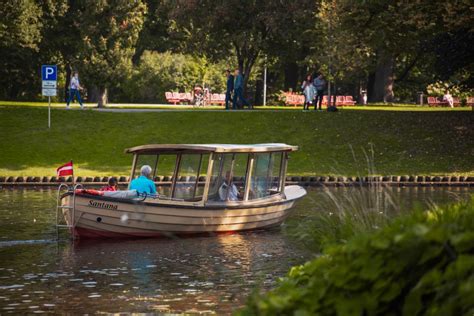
{"x": 103, "y": 205}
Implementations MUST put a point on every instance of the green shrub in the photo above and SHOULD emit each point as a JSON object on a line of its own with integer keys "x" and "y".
{"x": 161, "y": 72}
{"x": 420, "y": 264}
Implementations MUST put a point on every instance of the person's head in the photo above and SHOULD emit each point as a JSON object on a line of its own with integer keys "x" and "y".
{"x": 308, "y": 78}
{"x": 320, "y": 76}
{"x": 446, "y": 92}
{"x": 227, "y": 72}
{"x": 113, "y": 182}
{"x": 145, "y": 171}
{"x": 237, "y": 71}
{"x": 75, "y": 74}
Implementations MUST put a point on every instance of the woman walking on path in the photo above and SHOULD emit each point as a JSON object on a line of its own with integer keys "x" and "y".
{"x": 74, "y": 88}
{"x": 309, "y": 92}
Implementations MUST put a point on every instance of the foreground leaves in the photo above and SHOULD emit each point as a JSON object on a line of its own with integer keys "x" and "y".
{"x": 424, "y": 265}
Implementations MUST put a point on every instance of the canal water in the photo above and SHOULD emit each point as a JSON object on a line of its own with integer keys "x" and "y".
{"x": 202, "y": 275}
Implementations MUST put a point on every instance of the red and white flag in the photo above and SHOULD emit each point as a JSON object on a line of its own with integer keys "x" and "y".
{"x": 65, "y": 170}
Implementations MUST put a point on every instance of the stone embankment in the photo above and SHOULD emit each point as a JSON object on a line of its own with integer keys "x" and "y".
{"x": 462, "y": 181}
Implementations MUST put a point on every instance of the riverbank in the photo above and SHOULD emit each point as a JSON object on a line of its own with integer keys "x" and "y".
{"x": 314, "y": 181}
{"x": 348, "y": 143}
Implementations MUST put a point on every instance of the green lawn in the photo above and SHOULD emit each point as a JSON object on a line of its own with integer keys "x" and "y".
{"x": 405, "y": 142}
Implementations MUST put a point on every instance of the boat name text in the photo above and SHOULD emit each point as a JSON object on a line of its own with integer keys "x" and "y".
{"x": 107, "y": 206}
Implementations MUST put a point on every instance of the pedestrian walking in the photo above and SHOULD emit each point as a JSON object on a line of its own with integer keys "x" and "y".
{"x": 320, "y": 85}
{"x": 309, "y": 92}
{"x": 74, "y": 88}
{"x": 239, "y": 90}
{"x": 229, "y": 90}
{"x": 448, "y": 98}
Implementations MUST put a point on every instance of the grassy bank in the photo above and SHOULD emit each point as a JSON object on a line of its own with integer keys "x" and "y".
{"x": 404, "y": 142}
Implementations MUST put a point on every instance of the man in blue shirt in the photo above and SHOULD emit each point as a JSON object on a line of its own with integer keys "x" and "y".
{"x": 320, "y": 84}
{"x": 238, "y": 90}
{"x": 229, "y": 90}
{"x": 142, "y": 184}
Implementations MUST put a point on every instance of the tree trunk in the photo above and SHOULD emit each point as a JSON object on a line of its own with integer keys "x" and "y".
{"x": 383, "y": 81}
{"x": 258, "y": 98}
{"x": 291, "y": 76}
{"x": 68, "y": 82}
{"x": 98, "y": 95}
{"x": 103, "y": 98}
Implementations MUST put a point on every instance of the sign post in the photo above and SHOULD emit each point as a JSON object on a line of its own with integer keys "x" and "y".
{"x": 49, "y": 77}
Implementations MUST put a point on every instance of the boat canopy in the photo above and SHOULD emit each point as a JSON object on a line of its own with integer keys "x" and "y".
{"x": 207, "y": 148}
{"x": 215, "y": 173}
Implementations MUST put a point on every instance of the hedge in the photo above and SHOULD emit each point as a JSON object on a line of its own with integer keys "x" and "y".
{"x": 420, "y": 264}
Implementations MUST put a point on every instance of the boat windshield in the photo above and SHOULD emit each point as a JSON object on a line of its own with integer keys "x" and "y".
{"x": 237, "y": 177}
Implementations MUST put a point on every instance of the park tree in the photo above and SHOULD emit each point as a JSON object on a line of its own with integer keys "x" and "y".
{"x": 155, "y": 34}
{"x": 385, "y": 40}
{"x": 20, "y": 35}
{"x": 245, "y": 29}
{"x": 104, "y": 35}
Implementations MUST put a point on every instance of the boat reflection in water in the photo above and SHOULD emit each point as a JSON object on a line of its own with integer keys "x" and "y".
{"x": 212, "y": 188}
{"x": 199, "y": 274}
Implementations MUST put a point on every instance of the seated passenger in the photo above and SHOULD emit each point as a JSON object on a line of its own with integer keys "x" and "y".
{"x": 234, "y": 194}
{"x": 142, "y": 184}
{"x": 112, "y": 186}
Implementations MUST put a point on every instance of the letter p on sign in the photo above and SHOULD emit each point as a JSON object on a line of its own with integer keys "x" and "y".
{"x": 49, "y": 73}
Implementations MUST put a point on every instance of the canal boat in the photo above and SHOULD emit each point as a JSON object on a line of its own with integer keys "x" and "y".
{"x": 202, "y": 189}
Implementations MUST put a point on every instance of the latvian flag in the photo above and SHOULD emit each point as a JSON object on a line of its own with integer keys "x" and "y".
{"x": 65, "y": 170}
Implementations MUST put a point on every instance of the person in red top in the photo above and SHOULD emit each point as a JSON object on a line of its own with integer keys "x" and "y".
{"x": 112, "y": 186}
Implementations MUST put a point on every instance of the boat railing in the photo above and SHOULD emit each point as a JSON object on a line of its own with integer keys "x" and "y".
{"x": 65, "y": 188}
{"x": 159, "y": 197}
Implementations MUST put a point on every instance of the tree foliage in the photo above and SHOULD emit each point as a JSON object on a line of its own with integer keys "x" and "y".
{"x": 390, "y": 48}
{"x": 20, "y": 35}
{"x": 246, "y": 28}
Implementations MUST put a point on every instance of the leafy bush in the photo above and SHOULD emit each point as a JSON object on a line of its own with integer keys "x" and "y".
{"x": 420, "y": 264}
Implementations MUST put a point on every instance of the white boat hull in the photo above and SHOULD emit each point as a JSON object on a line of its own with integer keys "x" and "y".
{"x": 101, "y": 217}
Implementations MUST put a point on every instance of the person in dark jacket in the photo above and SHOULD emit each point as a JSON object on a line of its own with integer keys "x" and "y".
{"x": 320, "y": 85}
{"x": 239, "y": 90}
{"x": 230, "y": 89}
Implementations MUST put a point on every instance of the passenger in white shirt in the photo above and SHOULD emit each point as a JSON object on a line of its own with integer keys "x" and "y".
{"x": 234, "y": 194}
{"x": 74, "y": 88}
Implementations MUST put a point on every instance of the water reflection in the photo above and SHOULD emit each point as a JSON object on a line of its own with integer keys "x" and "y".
{"x": 204, "y": 274}
{"x": 195, "y": 275}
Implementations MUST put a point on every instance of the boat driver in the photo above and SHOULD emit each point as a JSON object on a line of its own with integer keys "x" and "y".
{"x": 143, "y": 184}
{"x": 234, "y": 194}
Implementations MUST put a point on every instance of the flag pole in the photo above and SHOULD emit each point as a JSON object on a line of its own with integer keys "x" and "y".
{"x": 73, "y": 182}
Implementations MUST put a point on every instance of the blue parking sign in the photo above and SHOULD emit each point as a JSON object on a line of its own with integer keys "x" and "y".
{"x": 49, "y": 73}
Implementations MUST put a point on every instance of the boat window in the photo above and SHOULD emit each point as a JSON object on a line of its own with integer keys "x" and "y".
{"x": 142, "y": 160}
{"x": 185, "y": 187}
{"x": 220, "y": 166}
{"x": 265, "y": 175}
{"x": 202, "y": 177}
{"x": 275, "y": 172}
{"x": 165, "y": 170}
{"x": 228, "y": 177}
{"x": 239, "y": 171}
